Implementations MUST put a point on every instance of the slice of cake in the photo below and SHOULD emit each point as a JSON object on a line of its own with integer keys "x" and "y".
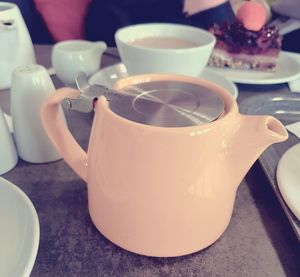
{"x": 247, "y": 43}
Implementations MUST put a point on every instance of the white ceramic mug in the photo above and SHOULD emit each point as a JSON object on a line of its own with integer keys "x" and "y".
{"x": 187, "y": 59}
{"x": 72, "y": 56}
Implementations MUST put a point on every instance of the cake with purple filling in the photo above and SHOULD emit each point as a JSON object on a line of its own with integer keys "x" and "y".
{"x": 247, "y": 43}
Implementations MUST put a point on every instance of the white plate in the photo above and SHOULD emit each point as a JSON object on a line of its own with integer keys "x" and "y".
{"x": 19, "y": 231}
{"x": 288, "y": 178}
{"x": 288, "y": 70}
{"x": 109, "y": 75}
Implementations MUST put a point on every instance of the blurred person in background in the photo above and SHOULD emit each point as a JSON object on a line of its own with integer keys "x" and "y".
{"x": 99, "y": 19}
{"x": 49, "y": 21}
{"x": 104, "y": 17}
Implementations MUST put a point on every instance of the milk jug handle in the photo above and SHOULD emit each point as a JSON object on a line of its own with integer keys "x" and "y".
{"x": 59, "y": 133}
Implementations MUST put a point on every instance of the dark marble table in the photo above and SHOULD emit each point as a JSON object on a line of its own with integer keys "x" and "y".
{"x": 258, "y": 242}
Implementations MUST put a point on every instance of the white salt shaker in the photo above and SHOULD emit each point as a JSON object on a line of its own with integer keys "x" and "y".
{"x": 8, "y": 153}
{"x": 31, "y": 84}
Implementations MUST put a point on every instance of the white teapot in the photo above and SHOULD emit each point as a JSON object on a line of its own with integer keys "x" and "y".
{"x": 16, "y": 47}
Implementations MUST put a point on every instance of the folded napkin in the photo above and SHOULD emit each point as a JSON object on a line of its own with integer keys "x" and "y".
{"x": 289, "y": 8}
{"x": 294, "y": 85}
{"x": 294, "y": 128}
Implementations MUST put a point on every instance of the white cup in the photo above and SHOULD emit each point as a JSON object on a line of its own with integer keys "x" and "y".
{"x": 188, "y": 60}
{"x": 8, "y": 153}
{"x": 72, "y": 56}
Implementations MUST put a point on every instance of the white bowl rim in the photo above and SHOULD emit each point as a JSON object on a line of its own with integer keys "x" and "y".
{"x": 209, "y": 35}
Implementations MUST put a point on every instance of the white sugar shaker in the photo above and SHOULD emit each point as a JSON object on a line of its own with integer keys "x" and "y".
{"x": 31, "y": 84}
{"x": 8, "y": 153}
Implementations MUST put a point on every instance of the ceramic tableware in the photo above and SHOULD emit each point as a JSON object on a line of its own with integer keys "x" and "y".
{"x": 19, "y": 232}
{"x": 16, "y": 47}
{"x": 72, "y": 56}
{"x": 31, "y": 84}
{"x": 8, "y": 153}
{"x": 288, "y": 69}
{"x": 165, "y": 157}
{"x": 285, "y": 107}
{"x": 107, "y": 76}
{"x": 288, "y": 175}
{"x": 173, "y": 48}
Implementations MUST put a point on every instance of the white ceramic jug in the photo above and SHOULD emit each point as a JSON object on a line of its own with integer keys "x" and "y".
{"x": 16, "y": 47}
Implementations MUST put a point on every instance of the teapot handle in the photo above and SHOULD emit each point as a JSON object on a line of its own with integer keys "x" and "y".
{"x": 59, "y": 133}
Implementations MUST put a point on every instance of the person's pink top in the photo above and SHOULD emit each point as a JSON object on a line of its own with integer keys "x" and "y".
{"x": 65, "y": 18}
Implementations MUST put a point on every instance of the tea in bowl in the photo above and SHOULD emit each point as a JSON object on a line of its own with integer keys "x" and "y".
{"x": 164, "y": 48}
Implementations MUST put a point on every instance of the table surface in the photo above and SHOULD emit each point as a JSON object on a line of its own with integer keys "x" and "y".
{"x": 258, "y": 242}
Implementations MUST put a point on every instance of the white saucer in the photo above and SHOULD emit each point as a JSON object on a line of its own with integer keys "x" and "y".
{"x": 288, "y": 70}
{"x": 19, "y": 231}
{"x": 109, "y": 75}
{"x": 288, "y": 178}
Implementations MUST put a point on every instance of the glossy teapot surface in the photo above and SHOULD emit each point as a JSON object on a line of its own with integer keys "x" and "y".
{"x": 161, "y": 191}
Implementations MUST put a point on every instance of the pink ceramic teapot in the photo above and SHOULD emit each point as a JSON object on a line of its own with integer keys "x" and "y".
{"x": 154, "y": 187}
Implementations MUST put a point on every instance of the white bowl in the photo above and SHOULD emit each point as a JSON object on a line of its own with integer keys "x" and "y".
{"x": 143, "y": 59}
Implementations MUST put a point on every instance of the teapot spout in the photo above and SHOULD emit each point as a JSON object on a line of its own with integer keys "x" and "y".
{"x": 272, "y": 130}
{"x": 268, "y": 130}
{"x": 255, "y": 135}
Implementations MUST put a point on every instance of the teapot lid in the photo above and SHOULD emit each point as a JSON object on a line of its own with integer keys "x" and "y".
{"x": 164, "y": 103}
{"x": 168, "y": 103}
